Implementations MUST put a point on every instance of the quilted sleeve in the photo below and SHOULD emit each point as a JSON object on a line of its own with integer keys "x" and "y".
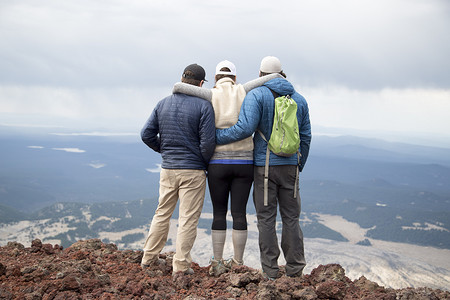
{"x": 305, "y": 132}
{"x": 207, "y": 132}
{"x": 149, "y": 133}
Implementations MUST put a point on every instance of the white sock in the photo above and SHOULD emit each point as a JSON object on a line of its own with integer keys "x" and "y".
{"x": 239, "y": 241}
{"x": 218, "y": 242}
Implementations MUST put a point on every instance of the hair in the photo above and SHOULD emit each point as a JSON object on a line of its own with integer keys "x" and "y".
{"x": 220, "y": 76}
{"x": 190, "y": 80}
{"x": 261, "y": 74}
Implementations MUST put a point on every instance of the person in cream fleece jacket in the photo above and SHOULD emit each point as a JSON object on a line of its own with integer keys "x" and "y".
{"x": 230, "y": 170}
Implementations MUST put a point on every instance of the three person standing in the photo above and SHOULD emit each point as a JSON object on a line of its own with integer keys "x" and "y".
{"x": 230, "y": 169}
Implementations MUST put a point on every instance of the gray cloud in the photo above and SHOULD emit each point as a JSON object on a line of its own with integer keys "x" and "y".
{"x": 360, "y": 44}
{"x": 105, "y": 64}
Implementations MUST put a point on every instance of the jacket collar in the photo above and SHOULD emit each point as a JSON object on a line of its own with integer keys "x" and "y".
{"x": 225, "y": 80}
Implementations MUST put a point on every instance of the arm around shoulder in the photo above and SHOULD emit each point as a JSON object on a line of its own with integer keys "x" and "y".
{"x": 248, "y": 121}
{"x": 192, "y": 90}
{"x": 250, "y": 85}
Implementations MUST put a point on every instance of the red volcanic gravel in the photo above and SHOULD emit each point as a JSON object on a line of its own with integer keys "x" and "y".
{"x": 93, "y": 270}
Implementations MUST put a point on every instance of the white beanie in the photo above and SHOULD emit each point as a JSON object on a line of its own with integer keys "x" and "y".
{"x": 270, "y": 64}
{"x": 226, "y": 64}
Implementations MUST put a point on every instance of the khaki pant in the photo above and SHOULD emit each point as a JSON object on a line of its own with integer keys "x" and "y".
{"x": 189, "y": 186}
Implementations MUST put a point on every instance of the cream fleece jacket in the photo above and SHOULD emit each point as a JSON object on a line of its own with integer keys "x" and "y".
{"x": 227, "y": 98}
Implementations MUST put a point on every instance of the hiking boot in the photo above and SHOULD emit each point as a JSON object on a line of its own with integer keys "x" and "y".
{"x": 296, "y": 275}
{"x": 265, "y": 276}
{"x": 156, "y": 263}
{"x": 217, "y": 267}
{"x": 231, "y": 262}
{"x": 189, "y": 271}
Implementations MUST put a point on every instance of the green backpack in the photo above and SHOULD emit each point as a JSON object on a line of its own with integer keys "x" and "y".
{"x": 285, "y": 137}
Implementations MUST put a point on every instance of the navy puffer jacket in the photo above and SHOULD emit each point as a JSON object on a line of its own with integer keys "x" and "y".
{"x": 257, "y": 112}
{"x": 182, "y": 129}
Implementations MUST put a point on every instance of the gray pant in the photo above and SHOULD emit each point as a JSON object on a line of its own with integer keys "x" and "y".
{"x": 281, "y": 192}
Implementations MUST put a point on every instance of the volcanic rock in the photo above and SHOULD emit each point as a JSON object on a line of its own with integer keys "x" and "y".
{"x": 90, "y": 269}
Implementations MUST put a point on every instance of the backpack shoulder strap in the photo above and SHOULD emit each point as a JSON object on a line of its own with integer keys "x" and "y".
{"x": 266, "y": 172}
{"x": 275, "y": 94}
{"x": 266, "y": 167}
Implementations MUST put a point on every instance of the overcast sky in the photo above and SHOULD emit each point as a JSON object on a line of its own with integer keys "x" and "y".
{"x": 375, "y": 66}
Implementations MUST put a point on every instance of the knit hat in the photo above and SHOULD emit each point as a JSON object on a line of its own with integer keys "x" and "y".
{"x": 198, "y": 71}
{"x": 270, "y": 64}
{"x": 226, "y": 64}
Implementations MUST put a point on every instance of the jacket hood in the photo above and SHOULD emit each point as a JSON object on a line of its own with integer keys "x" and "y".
{"x": 281, "y": 86}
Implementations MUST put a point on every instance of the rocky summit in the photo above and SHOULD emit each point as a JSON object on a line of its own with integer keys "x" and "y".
{"x": 91, "y": 269}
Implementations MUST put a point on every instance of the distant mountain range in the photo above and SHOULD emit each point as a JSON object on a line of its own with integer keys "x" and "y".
{"x": 64, "y": 187}
{"x": 398, "y": 192}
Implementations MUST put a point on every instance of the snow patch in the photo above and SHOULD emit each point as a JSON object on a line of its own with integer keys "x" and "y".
{"x": 154, "y": 170}
{"x": 426, "y": 226}
{"x": 71, "y": 150}
{"x": 96, "y": 165}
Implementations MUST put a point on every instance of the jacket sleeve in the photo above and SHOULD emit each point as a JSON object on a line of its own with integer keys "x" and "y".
{"x": 207, "y": 132}
{"x": 250, "y": 85}
{"x": 192, "y": 90}
{"x": 248, "y": 121}
{"x": 305, "y": 134}
{"x": 149, "y": 133}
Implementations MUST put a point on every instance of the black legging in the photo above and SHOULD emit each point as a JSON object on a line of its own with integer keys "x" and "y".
{"x": 223, "y": 180}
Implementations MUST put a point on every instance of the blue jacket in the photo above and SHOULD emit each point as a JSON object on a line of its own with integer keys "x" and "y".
{"x": 182, "y": 129}
{"x": 257, "y": 112}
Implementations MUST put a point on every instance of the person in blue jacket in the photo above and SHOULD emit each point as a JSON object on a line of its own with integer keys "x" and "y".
{"x": 182, "y": 129}
{"x": 256, "y": 114}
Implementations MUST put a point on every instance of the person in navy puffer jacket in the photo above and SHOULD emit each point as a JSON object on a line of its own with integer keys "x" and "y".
{"x": 182, "y": 129}
{"x": 256, "y": 114}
